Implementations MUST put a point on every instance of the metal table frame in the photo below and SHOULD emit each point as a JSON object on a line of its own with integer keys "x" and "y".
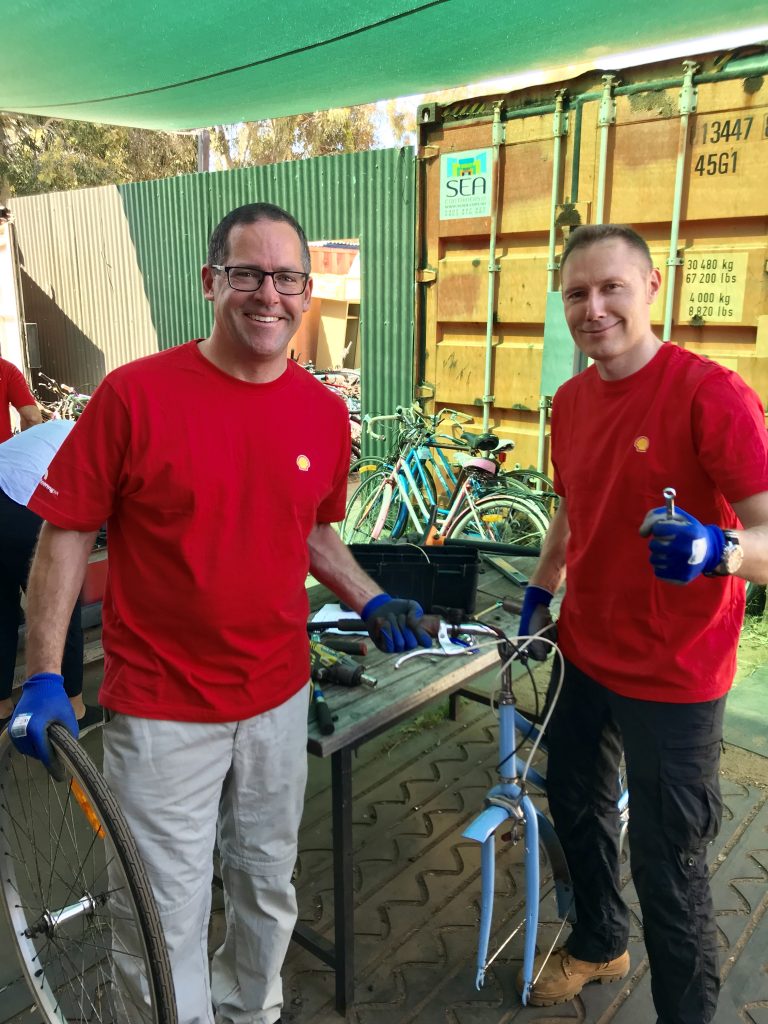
{"x": 360, "y": 715}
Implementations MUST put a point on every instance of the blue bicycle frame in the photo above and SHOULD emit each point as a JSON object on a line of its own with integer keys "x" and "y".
{"x": 417, "y": 460}
{"x": 508, "y": 804}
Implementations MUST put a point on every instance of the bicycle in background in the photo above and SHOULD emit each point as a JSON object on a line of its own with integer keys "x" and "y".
{"x": 67, "y": 403}
{"x": 478, "y": 502}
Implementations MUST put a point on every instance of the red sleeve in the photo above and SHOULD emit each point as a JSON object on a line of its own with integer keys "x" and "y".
{"x": 17, "y": 388}
{"x": 731, "y": 439}
{"x": 79, "y": 490}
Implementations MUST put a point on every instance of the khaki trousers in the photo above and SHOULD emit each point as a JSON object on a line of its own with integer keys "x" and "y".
{"x": 182, "y": 787}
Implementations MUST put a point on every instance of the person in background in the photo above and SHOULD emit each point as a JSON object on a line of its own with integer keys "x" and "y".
{"x": 650, "y": 649}
{"x": 14, "y": 391}
{"x": 214, "y": 520}
{"x": 24, "y": 459}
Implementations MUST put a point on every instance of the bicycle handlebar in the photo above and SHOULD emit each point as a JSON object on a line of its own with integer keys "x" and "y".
{"x": 401, "y": 414}
{"x": 410, "y": 415}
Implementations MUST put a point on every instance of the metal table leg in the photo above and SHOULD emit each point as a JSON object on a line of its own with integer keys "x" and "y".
{"x": 343, "y": 896}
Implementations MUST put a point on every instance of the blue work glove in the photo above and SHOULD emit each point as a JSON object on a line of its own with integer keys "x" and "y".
{"x": 681, "y": 548}
{"x": 535, "y": 617}
{"x": 43, "y": 701}
{"x": 394, "y": 624}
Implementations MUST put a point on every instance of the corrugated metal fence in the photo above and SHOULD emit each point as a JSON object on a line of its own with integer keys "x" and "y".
{"x": 110, "y": 274}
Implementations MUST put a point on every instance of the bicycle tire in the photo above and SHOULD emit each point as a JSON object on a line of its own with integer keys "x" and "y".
{"x": 538, "y": 486}
{"x": 363, "y": 510}
{"x": 73, "y": 886}
{"x": 506, "y": 519}
{"x": 368, "y": 464}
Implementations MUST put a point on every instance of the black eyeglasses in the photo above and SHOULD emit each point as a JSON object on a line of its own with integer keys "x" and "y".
{"x": 247, "y": 279}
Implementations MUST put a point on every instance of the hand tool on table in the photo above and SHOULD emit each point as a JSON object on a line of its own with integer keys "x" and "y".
{"x": 334, "y": 667}
{"x": 431, "y": 624}
{"x": 322, "y": 711}
{"x": 505, "y": 568}
{"x": 513, "y": 605}
{"x": 345, "y": 644}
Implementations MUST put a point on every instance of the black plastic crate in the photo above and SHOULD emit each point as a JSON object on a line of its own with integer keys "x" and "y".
{"x": 434, "y": 576}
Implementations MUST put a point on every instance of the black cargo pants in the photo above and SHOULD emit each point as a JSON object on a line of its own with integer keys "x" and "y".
{"x": 19, "y": 527}
{"x": 672, "y": 755}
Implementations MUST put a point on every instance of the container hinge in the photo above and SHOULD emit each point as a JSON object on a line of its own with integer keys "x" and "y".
{"x": 426, "y": 275}
{"x": 498, "y": 127}
{"x": 424, "y": 390}
{"x": 607, "y": 102}
{"x": 427, "y": 152}
{"x": 560, "y": 118}
{"x": 689, "y": 94}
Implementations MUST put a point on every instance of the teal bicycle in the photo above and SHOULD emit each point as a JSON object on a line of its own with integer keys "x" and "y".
{"x": 478, "y": 503}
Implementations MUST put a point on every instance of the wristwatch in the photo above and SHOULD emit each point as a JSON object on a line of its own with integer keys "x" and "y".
{"x": 732, "y": 557}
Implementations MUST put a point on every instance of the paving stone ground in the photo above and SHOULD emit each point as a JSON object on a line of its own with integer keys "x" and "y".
{"x": 417, "y": 889}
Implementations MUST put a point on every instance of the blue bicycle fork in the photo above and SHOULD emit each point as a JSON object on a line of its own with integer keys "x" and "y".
{"x": 508, "y": 804}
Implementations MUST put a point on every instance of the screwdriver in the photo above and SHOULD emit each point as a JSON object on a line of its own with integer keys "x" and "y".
{"x": 322, "y": 711}
{"x": 345, "y": 644}
{"x": 507, "y": 604}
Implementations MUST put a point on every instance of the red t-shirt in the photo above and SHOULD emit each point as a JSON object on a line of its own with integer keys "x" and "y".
{"x": 210, "y": 486}
{"x": 683, "y": 422}
{"x": 14, "y": 391}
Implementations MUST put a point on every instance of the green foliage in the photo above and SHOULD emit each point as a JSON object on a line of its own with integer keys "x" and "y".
{"x": 45, "y": 155}
{"x": 323, "y": 133}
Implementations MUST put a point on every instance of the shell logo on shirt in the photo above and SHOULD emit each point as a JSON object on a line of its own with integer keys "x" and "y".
{"x": 642, "y": 444}
{"x": 303, "y": 463}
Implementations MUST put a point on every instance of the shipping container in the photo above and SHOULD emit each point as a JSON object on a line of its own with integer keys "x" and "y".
{"x": 677, "y": 150}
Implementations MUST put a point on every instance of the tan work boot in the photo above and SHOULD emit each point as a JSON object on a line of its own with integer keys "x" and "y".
{"x": 563, "y": 976}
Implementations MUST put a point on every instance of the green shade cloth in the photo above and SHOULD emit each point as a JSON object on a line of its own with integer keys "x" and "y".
{"x": 171, "y": 65}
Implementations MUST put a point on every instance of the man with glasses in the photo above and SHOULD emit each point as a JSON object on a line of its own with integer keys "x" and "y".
{"x": 219, "y": 466}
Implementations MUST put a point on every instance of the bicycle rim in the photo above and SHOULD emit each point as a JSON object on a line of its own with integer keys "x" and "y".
{"x": 363, "y": 509}
{"x": 538, "y": 487}
{"x": 76, "y": 894}
{"x": 505, "y": 519}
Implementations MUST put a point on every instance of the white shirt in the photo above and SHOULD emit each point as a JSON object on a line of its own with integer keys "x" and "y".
{"x": 25, "y": 457}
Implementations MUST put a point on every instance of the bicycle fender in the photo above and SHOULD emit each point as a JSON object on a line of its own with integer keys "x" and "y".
{"x": 560, "y": 873}
{"x": 485, "y": 824}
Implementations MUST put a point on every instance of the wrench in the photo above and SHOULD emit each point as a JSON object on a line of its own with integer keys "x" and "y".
{"x": 670, "y": 494}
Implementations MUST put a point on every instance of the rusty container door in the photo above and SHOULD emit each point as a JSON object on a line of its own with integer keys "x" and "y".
{"x": 677, "y": 150}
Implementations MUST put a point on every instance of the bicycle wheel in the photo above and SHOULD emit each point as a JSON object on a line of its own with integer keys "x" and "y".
{"x": 539, "y": 487}
{"x": 503, "y": 518}
{"x": 76, "y": 895}
{"x": 368, "y": 464}
{"x": 364, "y": 508}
